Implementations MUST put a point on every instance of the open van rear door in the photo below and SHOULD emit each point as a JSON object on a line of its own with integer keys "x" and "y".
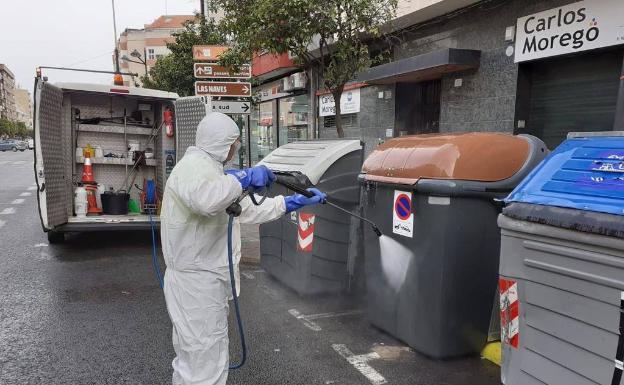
{"x": 50, "y": 159}
{"x": 189, "y": 111}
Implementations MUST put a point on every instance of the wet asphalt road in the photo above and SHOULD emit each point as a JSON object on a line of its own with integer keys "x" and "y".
{"x": 90, "y": 312}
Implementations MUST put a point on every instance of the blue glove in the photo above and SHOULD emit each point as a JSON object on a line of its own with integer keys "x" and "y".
{"x": 297, "y": 201}
{"x": 257, "y": 177}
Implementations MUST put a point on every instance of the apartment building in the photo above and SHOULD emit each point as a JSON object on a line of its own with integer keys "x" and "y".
{"x": 140, "y": 48}
{"x": 7, "y": 97}
{"x": 23, "y": 107}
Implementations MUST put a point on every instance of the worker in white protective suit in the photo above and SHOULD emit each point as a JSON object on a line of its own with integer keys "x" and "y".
{"x": 194, "y": 243}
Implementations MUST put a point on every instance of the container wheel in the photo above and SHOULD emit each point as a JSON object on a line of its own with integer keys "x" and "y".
{"x": 55, "y": 237}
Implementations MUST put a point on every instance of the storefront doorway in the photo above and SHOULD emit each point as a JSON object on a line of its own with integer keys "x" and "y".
{"x": 417, "y": 107}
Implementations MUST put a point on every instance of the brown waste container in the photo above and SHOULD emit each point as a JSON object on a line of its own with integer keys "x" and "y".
{"x": 434, "y": 196}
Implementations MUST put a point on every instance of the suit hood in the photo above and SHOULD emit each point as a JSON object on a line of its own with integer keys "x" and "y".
{"x": 215, "y": 135}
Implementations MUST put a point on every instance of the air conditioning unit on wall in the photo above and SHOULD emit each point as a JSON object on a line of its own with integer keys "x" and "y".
{"x": 299, "y": 80}
{"x": 287, "y": 84}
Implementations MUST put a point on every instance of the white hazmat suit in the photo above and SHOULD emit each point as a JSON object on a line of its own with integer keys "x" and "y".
{"x": 194, "y": 243}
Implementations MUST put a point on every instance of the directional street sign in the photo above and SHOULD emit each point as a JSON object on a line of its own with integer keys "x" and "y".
{"x": 215, "y": 71}
{"x": 241, "y": 90}
{"x": 231, "y": 107}
{"x": 208, "y": 52}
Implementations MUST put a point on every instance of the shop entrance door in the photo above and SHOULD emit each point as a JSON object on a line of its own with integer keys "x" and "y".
{"x": 572, "y": 94}
{"x": 418, "y": 107}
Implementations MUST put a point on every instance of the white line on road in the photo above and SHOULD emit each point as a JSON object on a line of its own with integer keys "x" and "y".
{"x": 361, "y": 363}
{"x": 17, "y": 201}
{"x": 41, "y": 245}
{"x": 25, "y": 194}
{"x": 8, "y": 210}
{"x": 308, "y": 322}
{"x": 3, "y": 162}
{"x": 32, "y": 188}
{"x": 19, "y": 162}
{"x": 247, "y": 275}
{"x": 2, "y": 223}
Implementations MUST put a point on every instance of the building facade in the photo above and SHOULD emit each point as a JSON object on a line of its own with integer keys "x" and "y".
{"x": 460, "y": 66}
{"x": 140, "y": 48}
{"x": 544, "y": 68}
{"x": 23, "y": 106}
{"x": 7, "y": 96}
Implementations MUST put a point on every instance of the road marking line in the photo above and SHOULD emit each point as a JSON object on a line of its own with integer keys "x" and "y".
{"x": 25, "y": 194}
{"x": 308, "y": 322}
{"x": 2, "y": 223}
{"x": 41, "y": 245}
{"x": 32, "y": 188}
{"x": 247, "y": 275}
{"x": 361, "y": 363}
{"x": 2, "y": 162}
{"x": 18, "y": 201}
{"x": 19, "y": 162}
{"x": 258, "y": 271}
{"x": 8, "y": 210}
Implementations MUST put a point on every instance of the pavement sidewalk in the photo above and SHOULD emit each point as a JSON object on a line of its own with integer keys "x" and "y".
{"x": 250, "y": 244}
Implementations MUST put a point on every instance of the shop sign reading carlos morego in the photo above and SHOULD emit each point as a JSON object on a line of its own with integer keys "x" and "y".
{"x": 575, "y": 27}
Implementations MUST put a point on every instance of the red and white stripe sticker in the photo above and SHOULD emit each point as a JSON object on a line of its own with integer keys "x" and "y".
{"x": 305, "y": 234}
{"x": 509, "y": 311}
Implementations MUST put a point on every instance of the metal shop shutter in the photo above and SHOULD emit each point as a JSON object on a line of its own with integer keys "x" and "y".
{"x": 576, "y": 93}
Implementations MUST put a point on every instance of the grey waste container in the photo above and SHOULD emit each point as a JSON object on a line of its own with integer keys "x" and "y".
{"x": 434, "y": 196}
{"x": 562, "y": 268}
{"x": 308, "y": 249}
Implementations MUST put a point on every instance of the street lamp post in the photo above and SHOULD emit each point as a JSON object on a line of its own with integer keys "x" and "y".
{"x": 136, "y": 54}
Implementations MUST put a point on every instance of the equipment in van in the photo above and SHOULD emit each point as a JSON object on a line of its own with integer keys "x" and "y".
{"x": 115, "y": 202}
{"x": 87, "y": 172}
{"x": 92, "y": 208}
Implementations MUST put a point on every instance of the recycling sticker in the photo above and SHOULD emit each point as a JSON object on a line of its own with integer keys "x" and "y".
{"x": 402, "y": 216}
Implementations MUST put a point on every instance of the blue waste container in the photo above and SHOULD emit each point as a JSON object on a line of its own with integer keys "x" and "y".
{"x": 562, "y": 267}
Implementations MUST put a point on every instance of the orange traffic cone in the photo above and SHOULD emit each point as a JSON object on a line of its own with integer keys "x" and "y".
{"x": 92, "y": 208}
{"x": 87, "y": 172}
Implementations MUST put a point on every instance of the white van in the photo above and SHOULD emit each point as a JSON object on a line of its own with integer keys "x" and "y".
{"x": 114, "y": 121}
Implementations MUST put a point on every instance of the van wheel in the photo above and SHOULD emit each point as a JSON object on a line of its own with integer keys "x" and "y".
{"x": 55, "y": 237}
{"x": 14, "y": 149}
{"x": 21, "y": 150}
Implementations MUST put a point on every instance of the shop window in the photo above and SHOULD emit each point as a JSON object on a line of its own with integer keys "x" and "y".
{"x": 293, "y": 119}
{"x": 348, "y": 121}
{"x": 263, "y": 133}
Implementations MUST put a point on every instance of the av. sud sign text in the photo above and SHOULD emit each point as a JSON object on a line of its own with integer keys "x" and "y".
{"x": 575, "y": 27}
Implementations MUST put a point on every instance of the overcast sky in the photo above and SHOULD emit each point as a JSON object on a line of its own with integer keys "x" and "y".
{"x": 72, "y": 33}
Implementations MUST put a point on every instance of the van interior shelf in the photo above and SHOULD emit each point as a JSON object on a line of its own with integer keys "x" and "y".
{"x": 115, "y": 128}
{"x": 115, "y": 161}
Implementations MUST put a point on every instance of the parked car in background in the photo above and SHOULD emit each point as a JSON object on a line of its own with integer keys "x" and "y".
{"x": 31, "y": 143}
{"x": 12, "y": 145}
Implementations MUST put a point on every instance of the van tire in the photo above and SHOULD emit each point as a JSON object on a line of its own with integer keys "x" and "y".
{"x": 14, "y": 149}
{"x": 55, "y": 237}
{"x": 21, "y": 150}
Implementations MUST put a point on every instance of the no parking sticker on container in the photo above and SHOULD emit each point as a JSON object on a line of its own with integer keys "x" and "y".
{"x": 402, "y": 216}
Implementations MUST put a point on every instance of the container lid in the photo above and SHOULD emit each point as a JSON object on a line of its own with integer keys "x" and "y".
{"x": 475, "y": 156}
{"x": 311, "y": 158}
{"x": 585, "y": 173}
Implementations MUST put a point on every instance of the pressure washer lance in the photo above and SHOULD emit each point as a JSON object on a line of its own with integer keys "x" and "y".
{"x": 284, "y": 181}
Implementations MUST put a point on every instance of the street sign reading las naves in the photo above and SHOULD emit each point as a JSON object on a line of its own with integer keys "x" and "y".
{"x": 241, "y": 90}
{"x": 208, "y": 52}
{"x": 215, "y": 71}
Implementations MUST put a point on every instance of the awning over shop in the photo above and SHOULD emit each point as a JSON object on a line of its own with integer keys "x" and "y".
{"x": 427, "y": 66}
